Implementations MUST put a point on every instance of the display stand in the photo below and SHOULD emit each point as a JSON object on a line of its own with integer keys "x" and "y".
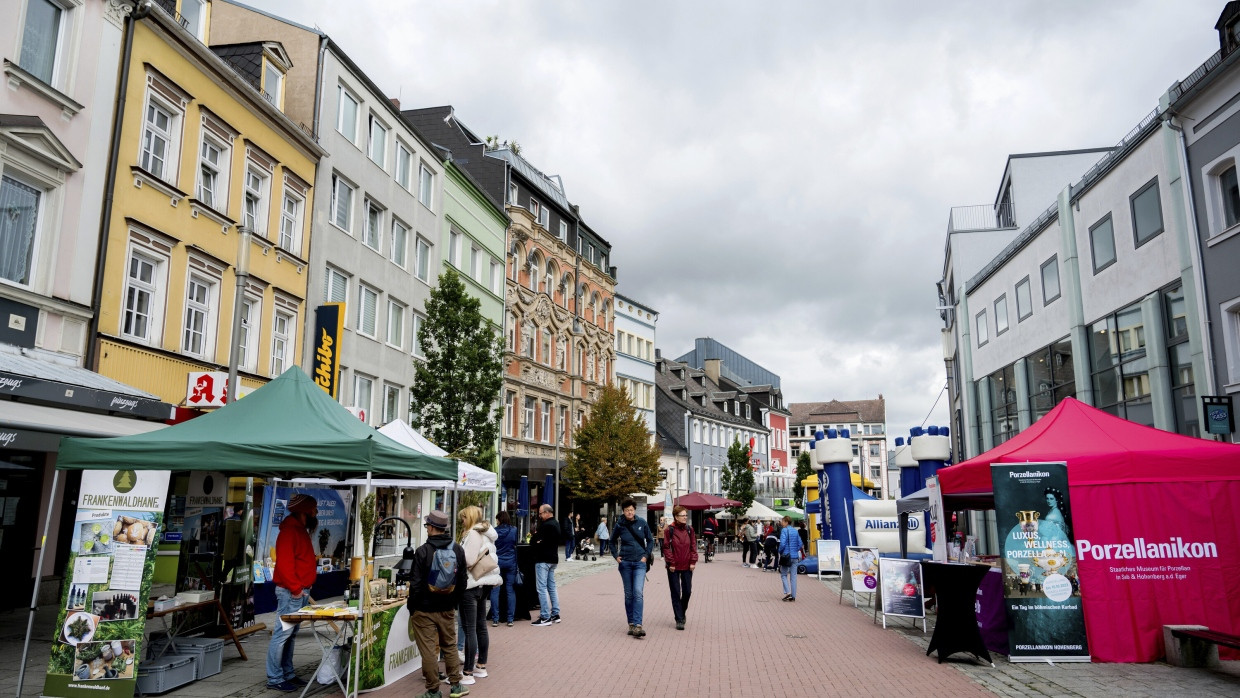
{"x": 901, "y": 592}
{"x": 829, "y": 559}
{"x": 174, "y": 629}
{"x": 332, "y": 629}
{"x": 857, "y": 564}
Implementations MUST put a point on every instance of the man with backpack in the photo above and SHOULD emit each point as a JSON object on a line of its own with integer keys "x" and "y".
{"x": 436, "y": 585}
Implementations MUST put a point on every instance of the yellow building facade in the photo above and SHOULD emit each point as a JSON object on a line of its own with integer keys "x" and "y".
{"x": 204, "y": 151}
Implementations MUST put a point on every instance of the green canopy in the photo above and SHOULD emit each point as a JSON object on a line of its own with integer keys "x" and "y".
{"x": 288, "y": 428}
{"x": 790, "y": 512}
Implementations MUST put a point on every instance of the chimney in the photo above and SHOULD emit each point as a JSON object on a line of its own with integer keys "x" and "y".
{"x": 396, "y": 102}
{"x": 711, "y": 366}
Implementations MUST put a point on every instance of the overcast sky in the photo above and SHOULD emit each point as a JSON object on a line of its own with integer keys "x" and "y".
{"x": 778, "y": 175}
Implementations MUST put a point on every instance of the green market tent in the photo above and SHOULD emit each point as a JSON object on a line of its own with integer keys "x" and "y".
{"x": 288, "y": 428}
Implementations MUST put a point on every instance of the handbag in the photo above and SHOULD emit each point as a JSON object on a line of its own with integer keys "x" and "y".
{"x": 785, "y": 560}
{"x": 519, "y": 579}
{"x": 484, "y": 565}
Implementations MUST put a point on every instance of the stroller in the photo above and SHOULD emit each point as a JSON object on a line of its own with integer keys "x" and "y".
{"x": 586, "y": 549}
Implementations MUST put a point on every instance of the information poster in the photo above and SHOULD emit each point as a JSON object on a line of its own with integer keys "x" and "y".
{"x": 1041, "y": 591}
{"x": 829, "y": 560}
{"x": 328, "y": 540}
{"x": 903, "y": 592}
{"x": 863, "y": 566}
{"x": 98, "y": 634}
{"x": 389, "y": 652}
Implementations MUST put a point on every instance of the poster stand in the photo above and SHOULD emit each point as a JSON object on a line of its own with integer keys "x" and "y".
{"x": 829, "y": 558}
{"x": 858, "y": 564}
{"x": 901, "y": 592}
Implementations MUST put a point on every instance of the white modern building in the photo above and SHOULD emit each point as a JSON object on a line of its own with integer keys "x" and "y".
{"x": 635, "y": 335}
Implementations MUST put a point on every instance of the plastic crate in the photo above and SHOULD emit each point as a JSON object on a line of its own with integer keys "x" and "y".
{"x": 208, "y": 651}
{"x": 166, "y": 673}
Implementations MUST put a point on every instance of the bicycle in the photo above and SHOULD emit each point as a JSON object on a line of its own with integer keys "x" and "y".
{"x": 710, "y": 548}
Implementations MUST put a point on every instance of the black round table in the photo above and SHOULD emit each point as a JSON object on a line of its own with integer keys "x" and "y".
{"x": 955, "y": 590}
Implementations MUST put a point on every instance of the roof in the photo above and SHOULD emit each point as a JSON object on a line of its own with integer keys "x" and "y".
{"x": 837, "y": 411}
{"x": 69, "y": 375}
{"x": 246, "y": 59}
{"x": 670, "y": 409}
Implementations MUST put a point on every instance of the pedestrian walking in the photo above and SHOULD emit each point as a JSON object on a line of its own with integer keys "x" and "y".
{"x": 477, "y": 539}
{"x": 436, "y": 586}
{"x": 633, "y": 546}
{"x": 603, "y": 536}
{"x": 790, "y": 553}
{"x": 681, "y": 556}
{"x": 506, "y": 551}
{"x": 749, "y": 544}
{"x": 545, "y": 544}
{"x": 296, "y": 570}
{"x": 570, "y": 537}
{"x": 770, "y": 548}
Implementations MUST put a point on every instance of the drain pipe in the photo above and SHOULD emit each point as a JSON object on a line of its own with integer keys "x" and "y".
{"x": 141, "y": 8}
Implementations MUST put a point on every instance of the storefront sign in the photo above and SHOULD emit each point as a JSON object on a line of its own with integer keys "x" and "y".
{"x": 206, "y": 489}
{"x": 18, "y": 385}
{"x": 903, "y": 593}
{"x": 328, "y": 326}
{"x": 98, "y": 637}
{"x": 1039, "y": 562}
{"x": 206, "y": 389}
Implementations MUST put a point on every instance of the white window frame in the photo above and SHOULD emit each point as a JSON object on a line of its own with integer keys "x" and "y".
{"x": 422, "y": 259}
{"x": 475, "y": 263}
{"x": 527, "y": 425}
{"x": 290, "y": 220}
{"x": 251, "y": 321}
{"x": 201, "y": 309}
{"x": 62, "y": 52}
{"x": 564, "y": 231}
{"x": 364, "y": 394}
{"x": 396, "y": 324}
{"x": 418, "y": 320}
{"x": 32, "y": 252}
{"x": 217, "y": 199}
{"x": 156, "y": 290}
{"x": 367, "y": 298}
{"x": 257, "y": 198}
{"x": 512, "y": 193}
{"x": 1216, "y": 197}
{"x": 171, "y": 136}
{"x": 544, "y": 409}
{"x": 454, "y": 248}
{"x": 510, "y": 413}
{"x": 426, "y": 186}
{"x": 404, "y": 166}
{"x": 377, "y": 134}
{"x": 372, "y": 231}
{"x": 981, "y": 328}
{"x": 283, "y": 341}
{"x": 536, "y": 209}
{"x": 274, "y": 94}
{"x": 391, "y": 403}
{"x": 497, "y": 277}
{"x": 1001, "y": 315}
{"x": 342, "y": 94}
{"x": 334, "y": 279}
{"x": 398, "y": 246}
{"x": 199, "y": 31}
{"x": 339, "y": 185}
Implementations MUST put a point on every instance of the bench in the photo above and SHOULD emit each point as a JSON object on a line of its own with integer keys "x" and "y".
{"x": 1196, "y": 645}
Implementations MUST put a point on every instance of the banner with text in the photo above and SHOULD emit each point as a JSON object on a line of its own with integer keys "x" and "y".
{"x": 1041, "y": 590}
{"x": 97, "y": 639}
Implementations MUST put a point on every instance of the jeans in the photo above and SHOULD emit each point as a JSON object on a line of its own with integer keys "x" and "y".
{"x": 568, "y": 547}
{"x": 544, "y": 578}
{"x": 681, "y": 584}
{"x": 788, "y": 575}
{"x": 433, "y": 632}
{"x": 751, "y": 547}
{"x": 474, "y": 618}
{"x": 510, "y": 588}
{"x": 633, "y": 574}
{"x": 602, "y": 546}
{"x": 280, "y": 651}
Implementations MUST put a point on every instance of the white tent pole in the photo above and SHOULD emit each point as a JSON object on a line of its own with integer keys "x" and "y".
{"x": 38, "y": 577}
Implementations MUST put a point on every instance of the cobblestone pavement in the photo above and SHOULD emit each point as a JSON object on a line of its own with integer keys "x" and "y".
{"x": 740, "y": 640}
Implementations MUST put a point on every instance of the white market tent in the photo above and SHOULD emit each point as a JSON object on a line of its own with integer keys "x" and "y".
{"x": 758, "y": 511}
{"x": 468, "y": 477}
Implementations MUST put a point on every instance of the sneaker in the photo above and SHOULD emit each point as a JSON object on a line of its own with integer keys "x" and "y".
{"x": 285, "y": 686}
{"x": 461, "y": 654}
{"x": 467, "y": 680}
{"x": 443, "y": 678}
{"x": 631, "y": 627}
{"x": 430, "y": 694}
{"x": 297, "y": 681}
{"x": 555, "y": 618}
{"x": 510, "y": 624}
{"x": 457, "y": 691}
{"x": 638, "y": 632}
{"x": 680, "y": 625}
{"x": 480, "y": 673}
{"x": 494, "y": 624}
{"x": 542, "y": 621}
{"x": 744, "y": 564}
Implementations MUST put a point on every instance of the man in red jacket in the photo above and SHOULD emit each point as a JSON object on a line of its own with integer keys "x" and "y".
{"x": 680, "y": 555}
{"x": 296, "y": 568}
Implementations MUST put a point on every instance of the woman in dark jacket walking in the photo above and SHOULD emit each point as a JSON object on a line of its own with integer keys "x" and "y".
{"x": 506, "y": 552}
{"x": 681, "y": 556}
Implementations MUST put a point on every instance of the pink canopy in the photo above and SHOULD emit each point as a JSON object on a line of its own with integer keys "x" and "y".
{"x": 1155, "y": 518}
{"x": 698, "y": 501}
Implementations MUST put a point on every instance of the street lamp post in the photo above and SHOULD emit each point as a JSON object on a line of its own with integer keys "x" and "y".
{"x": 242, "y": 272}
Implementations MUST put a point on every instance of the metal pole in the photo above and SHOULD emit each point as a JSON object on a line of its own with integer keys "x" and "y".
{"x": 38, "y": 578}
{"x": 242, "y": 271}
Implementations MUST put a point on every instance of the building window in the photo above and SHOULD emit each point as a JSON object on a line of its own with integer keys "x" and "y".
{"x": 1050, "y": 376}
{"x": 144, "y": 297}
{"x": 1024, "y": 299}
{"x": 396, "y": 325}
{"x": 273, "y": 84}
{"x": 346, "y": 115}
{"x": 19, "y": 202}
{"x": 248, "y": 348}
{"x": 510, "y": 413}
{"x": 335, "y": 287}
{"x": 454, "y": 248}
{"x": 546, "y": 347}
{"x": 1179, "y": 355}
{"x": 982, "y": 338}
{"x": 1001, "y": 316}
{"x": 527, "y": 426}
{"x": 418, "y": 321}
{"x": 367, "y": 311}
{"x": 1228, "y": 195}
{"x": 560, "y": 351}
{"x": 400, "y": 241}
{"x": 535, "y": 209}
{"x": 527, "y": 339}
{"x": 561, "y": 433}
{"x": 372, "y": 235}
{"x": 426, "y": 186}
{"x": 213, "y": 174}
{"x": 423, "y": 263}
{"x": 281, "y": 342}
{"x": 342, "y": 204}
{"x": 254, "y": 216}
{"x": 158, "y": 143}
{"x": 192, "y": 15}
{"x": 404, "y": 165}
{"x": 1102, "y": 243}
{"x": 1146, "y": 208}
{"x": 199, "y": 317}
{"x": 545, "y": 422}
{"x": 391, "y": 403}
{"x": 376, "y": 146}
{"x": 1120, "y": 370}
{"x": 1004, "y": 420}
{"x": 42, "y": 39}
{"x": 512, "y": 194}
{"x": 497, "y": 278}
{"x": 475, "y": 264}
{"x": 363, "y": 394}
{"x": 1050, "y": 280}
{"x": 290, "y": 223}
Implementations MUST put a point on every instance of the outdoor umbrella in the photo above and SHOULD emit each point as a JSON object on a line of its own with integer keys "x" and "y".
{"x": 523, "y": 497}
{"x": 549, "y": 490}
{"x": 697, "y": 501}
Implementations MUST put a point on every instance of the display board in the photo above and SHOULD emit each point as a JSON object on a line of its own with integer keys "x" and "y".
{"x": 100, "y": 627}
{"x": 903, "y": 591}
{"x": 329, "y": 540}
{"x": 862, "y": 577}
{"x": 1039, "y": 563}
{"x": 829, "y": 560}
{"x": 389, "y": 652}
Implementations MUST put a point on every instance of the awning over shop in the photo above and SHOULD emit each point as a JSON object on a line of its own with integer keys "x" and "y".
{"x": 69, "y": 422}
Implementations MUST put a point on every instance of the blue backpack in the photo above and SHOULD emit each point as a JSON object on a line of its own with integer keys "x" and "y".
{"x": 441, "y": 579}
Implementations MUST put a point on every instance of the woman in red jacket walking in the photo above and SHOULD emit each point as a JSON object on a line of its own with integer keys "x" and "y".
{"x": 680, "y": 555}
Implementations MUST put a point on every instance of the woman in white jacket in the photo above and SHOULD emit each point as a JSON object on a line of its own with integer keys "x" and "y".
{"x": 478, "y": 539}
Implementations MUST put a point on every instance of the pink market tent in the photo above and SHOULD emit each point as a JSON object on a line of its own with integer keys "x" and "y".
{"x": 1155, "y": 516}
{"x": 698, "y": 501}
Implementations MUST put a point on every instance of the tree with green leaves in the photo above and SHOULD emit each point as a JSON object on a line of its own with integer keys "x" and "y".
{"x": 454, "y": 400}
{"x": 613, "y": 456}
{"x": 737, "y": 478}
{"x": 805, "y": 468}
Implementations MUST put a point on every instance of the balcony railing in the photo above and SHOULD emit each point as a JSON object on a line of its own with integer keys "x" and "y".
{"x": 984, "y": 217}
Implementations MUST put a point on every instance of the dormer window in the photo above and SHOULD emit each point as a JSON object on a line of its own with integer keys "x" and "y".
{"x": 273, "y": 84}
{"x": 194, "y": 17}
